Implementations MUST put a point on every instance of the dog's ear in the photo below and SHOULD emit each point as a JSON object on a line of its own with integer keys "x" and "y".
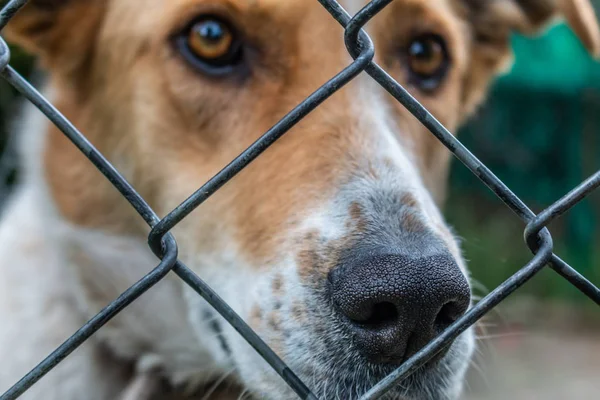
{"x": 496, "y": 19}
{"x": 580, "y": 15}
{"x": 493, "y": 21}
{"x": 60, "y": 32}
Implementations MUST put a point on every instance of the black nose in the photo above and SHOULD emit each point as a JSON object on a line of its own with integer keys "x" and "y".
{"x": 395, "y": 304}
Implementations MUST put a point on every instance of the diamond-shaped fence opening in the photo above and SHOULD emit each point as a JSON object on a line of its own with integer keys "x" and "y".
{"x": 164, "y": 245}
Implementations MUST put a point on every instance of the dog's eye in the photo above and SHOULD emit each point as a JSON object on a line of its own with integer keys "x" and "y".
{"x": 210, "y": 40}
{"x": 211, "y": 45}
{"x": 427, "y": 61}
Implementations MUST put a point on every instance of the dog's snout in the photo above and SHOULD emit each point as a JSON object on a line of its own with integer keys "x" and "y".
{"x": 394, "y": 304}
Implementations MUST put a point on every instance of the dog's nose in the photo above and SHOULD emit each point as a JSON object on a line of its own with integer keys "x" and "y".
{"x": 395, "y": 304}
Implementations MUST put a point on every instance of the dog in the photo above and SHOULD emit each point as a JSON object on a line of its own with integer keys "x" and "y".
{"x": 331, "y": 245}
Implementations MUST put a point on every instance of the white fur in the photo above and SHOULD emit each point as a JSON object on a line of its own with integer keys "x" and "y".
{"x": 43, "y": 300}
{"x": 35, "y": 295}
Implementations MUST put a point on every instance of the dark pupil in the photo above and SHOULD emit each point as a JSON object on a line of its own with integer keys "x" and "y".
{"x": 421, "y": 50}
{"x": 211, "y": 31}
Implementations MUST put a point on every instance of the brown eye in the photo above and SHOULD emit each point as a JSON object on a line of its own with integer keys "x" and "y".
{"x": 210, "y": 39}
{"x": 211, "y": 44}
{"x": 427, "y": 61}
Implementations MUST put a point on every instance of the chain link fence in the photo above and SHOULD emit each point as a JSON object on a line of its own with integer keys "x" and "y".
{"x": 163, "y": 244}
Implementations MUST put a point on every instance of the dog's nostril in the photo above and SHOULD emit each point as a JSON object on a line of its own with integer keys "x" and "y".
{"x": 382, "y": 313}
{"x": 393, "y": 304}
{"x": 449, "y": 313}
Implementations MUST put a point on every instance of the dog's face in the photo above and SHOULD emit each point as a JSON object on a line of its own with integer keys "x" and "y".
{"x": 330, "y": 244}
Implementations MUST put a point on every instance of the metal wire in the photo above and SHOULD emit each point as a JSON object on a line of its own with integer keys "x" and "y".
{"x": 164, "y": 245}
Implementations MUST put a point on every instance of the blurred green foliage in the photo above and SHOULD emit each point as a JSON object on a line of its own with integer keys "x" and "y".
{"x": 8, "y": 95}
{"x": 8, "y": 107}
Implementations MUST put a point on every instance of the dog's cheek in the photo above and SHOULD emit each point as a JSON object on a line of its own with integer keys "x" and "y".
{"x": 203, "y": 318}
{"x": 253, "y": 371}
{"x": 269, "y": 312}
{"x": 277, "y": 313}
